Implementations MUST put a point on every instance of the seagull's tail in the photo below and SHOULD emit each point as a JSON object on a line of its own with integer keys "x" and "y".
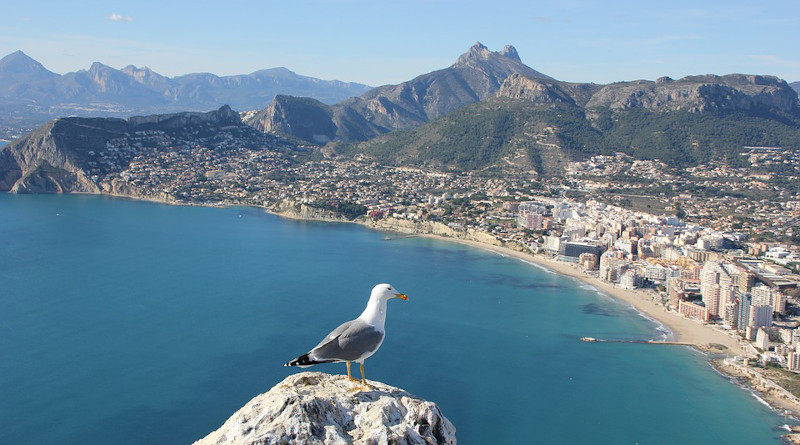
{"x": 304, "y": 361}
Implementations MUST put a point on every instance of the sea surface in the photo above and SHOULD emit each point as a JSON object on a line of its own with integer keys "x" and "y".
{"x": 129, "y": 322}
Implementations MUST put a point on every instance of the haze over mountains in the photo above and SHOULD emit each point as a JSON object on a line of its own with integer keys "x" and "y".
{"x": 487, "y": 112}
{"x": 476, "y": 75}
{"x": 30, "y": 93}
{"x": 481, "y": 75}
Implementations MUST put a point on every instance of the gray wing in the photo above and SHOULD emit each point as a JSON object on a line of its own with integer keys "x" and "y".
{"x": 348, "y": 342}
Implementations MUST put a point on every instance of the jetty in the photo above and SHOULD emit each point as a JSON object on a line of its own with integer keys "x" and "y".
{"x": 641, "y": 342}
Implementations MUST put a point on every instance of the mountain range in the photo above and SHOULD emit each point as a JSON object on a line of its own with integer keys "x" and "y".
{"x": 30, "y": 93}
{"x": 480, "y": 75}
{"x": 476, "y": 75}
{"x": 490, "y": 110}
{"x": 487, "y": 112}
{"x": 539, "y": 125}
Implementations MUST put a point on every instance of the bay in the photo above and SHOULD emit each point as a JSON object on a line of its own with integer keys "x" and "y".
{"x": 137, "y": 323}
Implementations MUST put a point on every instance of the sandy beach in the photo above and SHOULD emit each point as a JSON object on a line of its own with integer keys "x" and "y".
{"x": 684, "y": 330}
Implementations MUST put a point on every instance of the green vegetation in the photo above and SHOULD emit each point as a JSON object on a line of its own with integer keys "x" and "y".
{"x": 348, "y": 209}
{"x": 681, "y": 138}
{"x": 498, "y": 131}
{"x": 785, "y": 378}
{"x": 523, "y": 135}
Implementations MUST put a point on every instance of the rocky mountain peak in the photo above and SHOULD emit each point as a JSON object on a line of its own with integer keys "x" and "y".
{"x": 318, "y": 408}
{"x": 502, "y": 63}
{"x": 518, "y": 86}
{"x": 476, "y": 52}
{"x": 510, "y": 52}
{"x": 146, "y": 76}
{"x": 18, "y": 64}
{"x": 97, "y": 67}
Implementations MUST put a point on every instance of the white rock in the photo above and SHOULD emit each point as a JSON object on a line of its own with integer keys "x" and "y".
{"x": 318, "y": 408}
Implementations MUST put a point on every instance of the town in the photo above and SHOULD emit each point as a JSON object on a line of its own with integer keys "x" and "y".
{"x": 722, "y": 261}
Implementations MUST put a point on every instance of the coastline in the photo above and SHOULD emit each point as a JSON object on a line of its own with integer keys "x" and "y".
{"x": 683, "y": 330}
{"x": 704, "y": 339}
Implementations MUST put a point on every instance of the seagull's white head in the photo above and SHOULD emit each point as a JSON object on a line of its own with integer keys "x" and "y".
{"x": 385, "y": 292}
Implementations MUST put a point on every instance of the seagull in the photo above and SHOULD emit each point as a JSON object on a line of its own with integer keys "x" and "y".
{"x": 355, "y": 340}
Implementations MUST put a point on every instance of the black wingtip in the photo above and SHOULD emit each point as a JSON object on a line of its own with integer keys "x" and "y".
{"x": 304, "y": 361}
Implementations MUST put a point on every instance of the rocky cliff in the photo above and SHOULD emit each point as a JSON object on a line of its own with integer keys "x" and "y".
{"x": 289, "y": 208}
{"x": 83, "y": 154}
{"x": 317, "y": 408}
{"x": 302, "y": 117}
{"x": 732, "y": 92}
{"x": 518, "y": 86}
{"x": 432, "y": 228}
{"x": 476, "y": 75}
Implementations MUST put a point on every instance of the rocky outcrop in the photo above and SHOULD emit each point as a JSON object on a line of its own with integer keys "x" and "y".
{"x": 476, "y": 75}
{"x": 518, "y": 86}
{"x": 301, "y": 117}
{"x": 698, "y": 94}
{"x": 316, "y": 408}
{"x": 74, "y": 154}
{"x": 289, "y": 208}
{"x": 432, "y": 228}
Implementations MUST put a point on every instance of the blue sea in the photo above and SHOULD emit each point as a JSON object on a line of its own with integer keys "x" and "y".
{"x": 129, "y": 322}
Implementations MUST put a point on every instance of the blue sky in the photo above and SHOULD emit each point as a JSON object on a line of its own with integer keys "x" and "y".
{"x": 378, "y": 42}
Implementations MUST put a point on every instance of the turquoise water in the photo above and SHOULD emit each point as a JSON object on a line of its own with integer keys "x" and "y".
{"x": 136, "y": 323}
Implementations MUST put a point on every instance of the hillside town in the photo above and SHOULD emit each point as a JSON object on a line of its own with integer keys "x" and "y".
{"x": 696, "y": 265}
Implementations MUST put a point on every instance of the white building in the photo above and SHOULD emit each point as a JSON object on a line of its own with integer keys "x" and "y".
{"x": 760, "y": 316}
{"x": 762, "y": 340}
{"x": 772, "y": 297}
{"x": 655, "y": 272}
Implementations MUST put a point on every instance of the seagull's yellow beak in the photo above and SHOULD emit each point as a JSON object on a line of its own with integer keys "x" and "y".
{"x": 401, "y": 296}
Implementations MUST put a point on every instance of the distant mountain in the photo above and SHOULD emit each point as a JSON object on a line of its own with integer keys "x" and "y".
{"x": 74, "y": 154}
{"x": 733, "y": 92}
{"x": 476, "y": 75}
{"x": 17, "y": 65}
{"x": 535, "y": 124}
{"x": 796, "y": 86}
{"x": 29, "y": 93}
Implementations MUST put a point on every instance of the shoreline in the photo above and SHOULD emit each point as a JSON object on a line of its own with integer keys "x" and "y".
{"x": 683, "y": 330}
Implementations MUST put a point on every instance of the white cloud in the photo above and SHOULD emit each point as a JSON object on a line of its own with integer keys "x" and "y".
{"x": 114, "y": 17}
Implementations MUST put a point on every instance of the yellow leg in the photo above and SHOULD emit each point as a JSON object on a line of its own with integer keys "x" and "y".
{"x": 349, "y": 377}
{"x": 363, "y": 379}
